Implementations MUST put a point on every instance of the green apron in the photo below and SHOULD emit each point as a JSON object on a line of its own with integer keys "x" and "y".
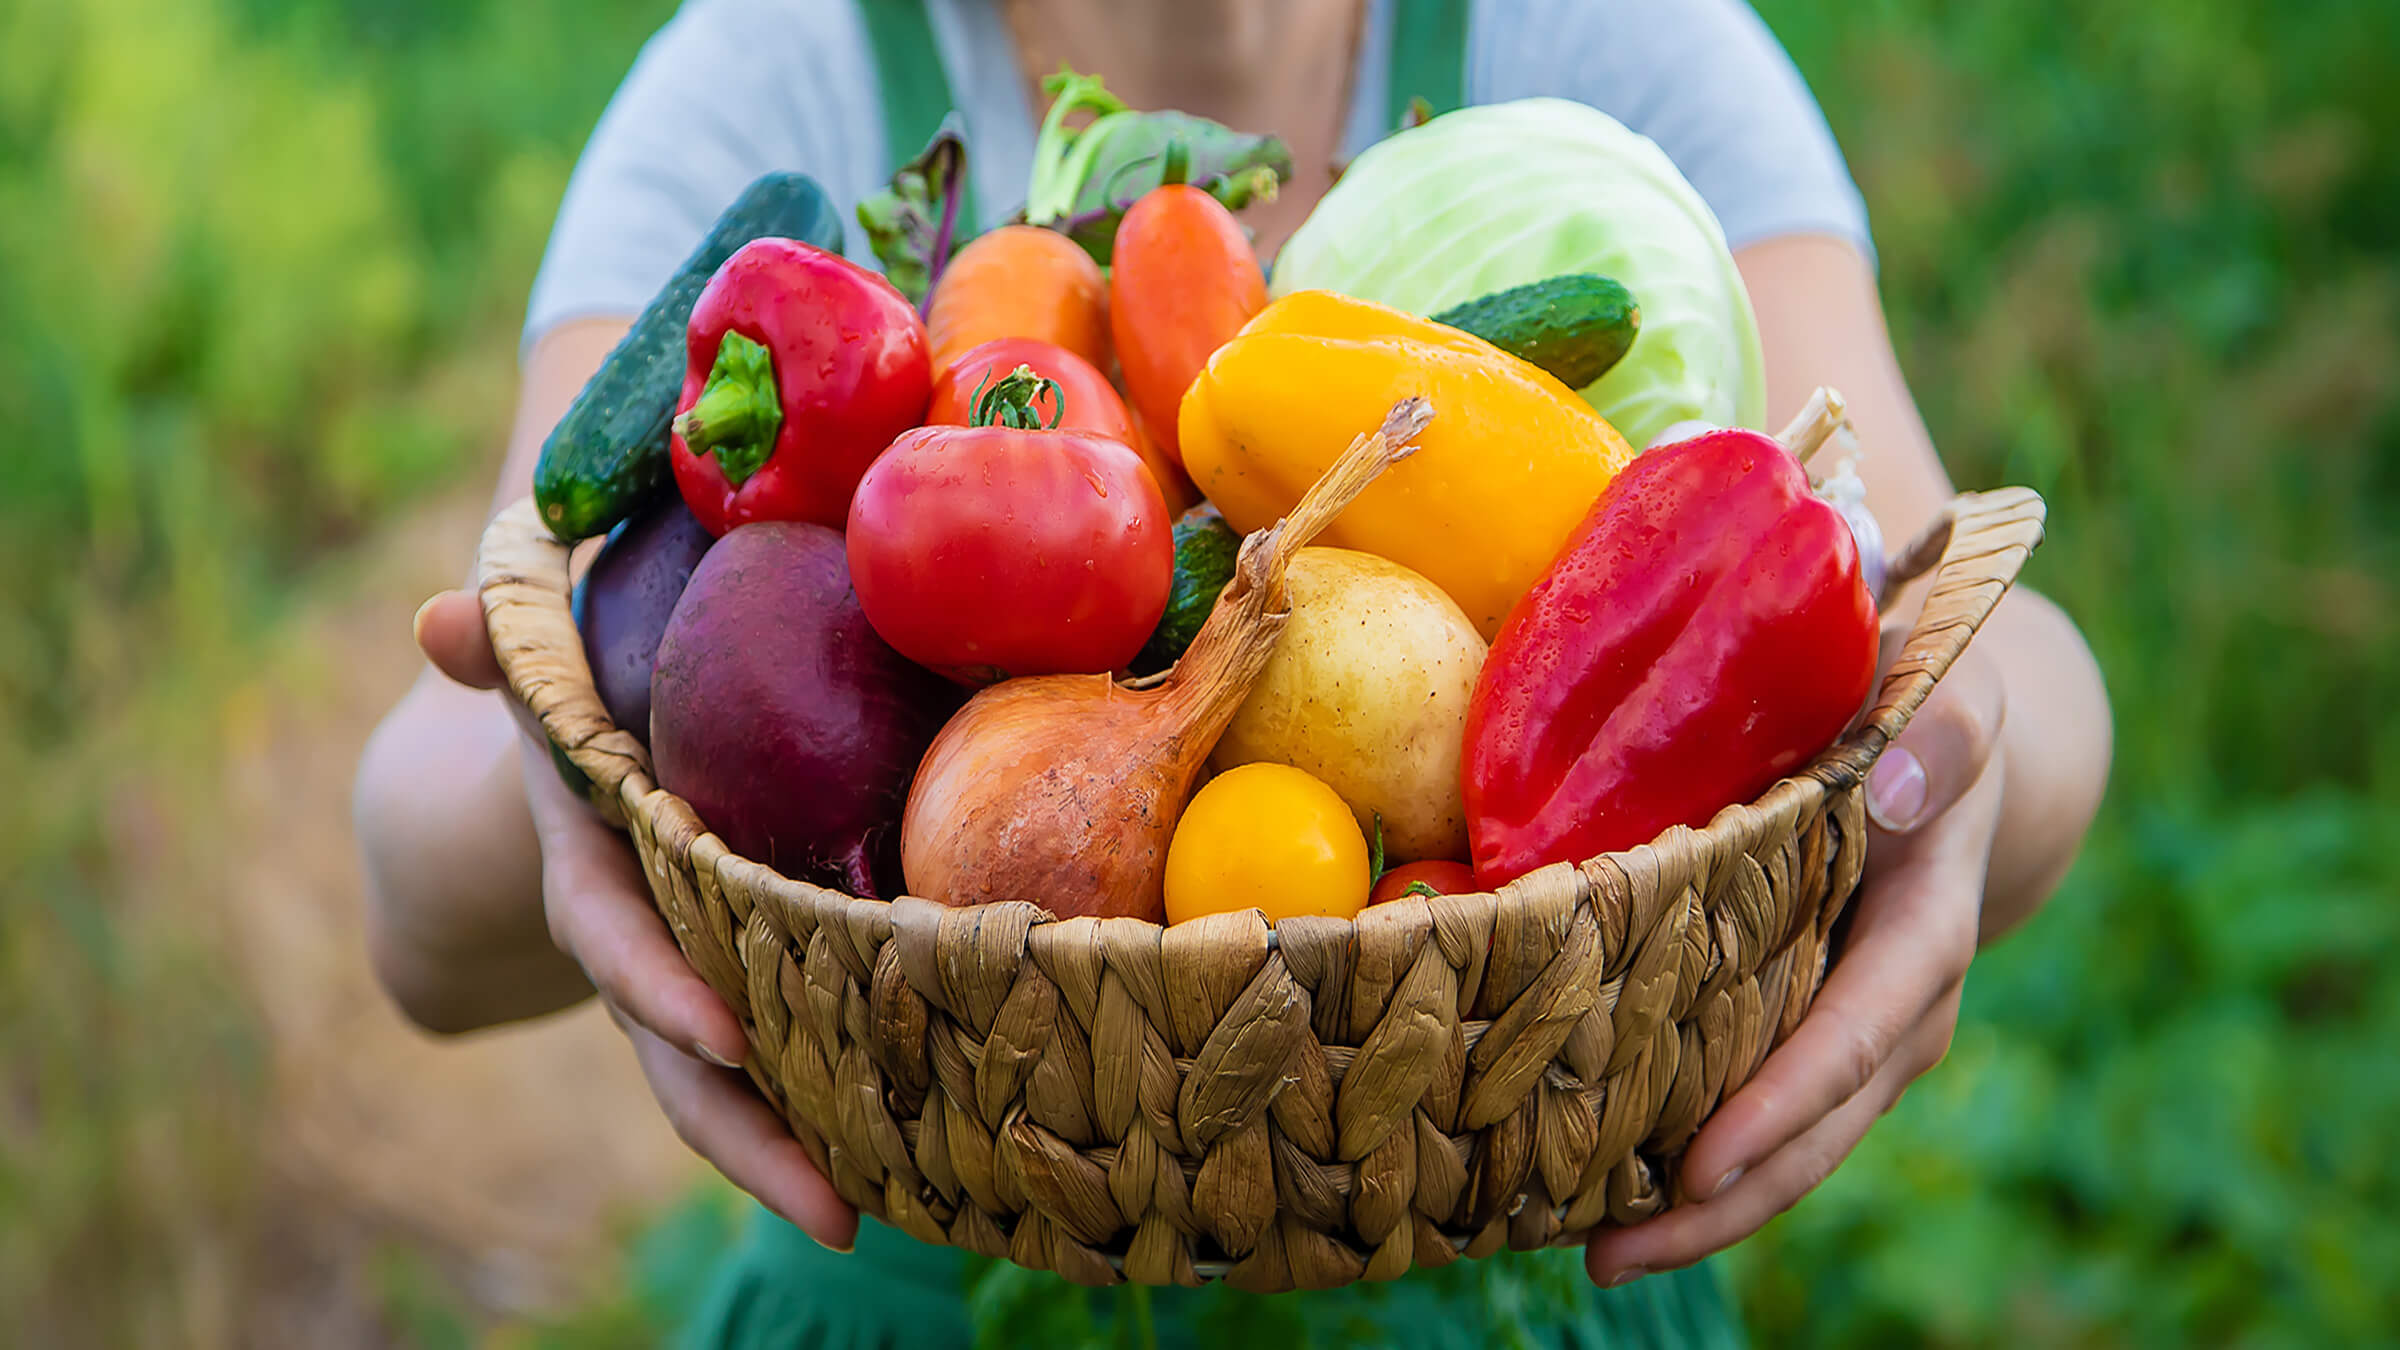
{"x": 779, "y": 1290}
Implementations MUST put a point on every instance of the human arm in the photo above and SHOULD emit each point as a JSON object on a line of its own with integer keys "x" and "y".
{"x": 1821, "y": 323}
{"x": 455, "y": 927}
{"x": 494, "y": 893}
{"x": 2011, "y": 755}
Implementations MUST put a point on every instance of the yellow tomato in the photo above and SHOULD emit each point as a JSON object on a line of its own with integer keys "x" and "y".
{"x": 1271, "y": 837}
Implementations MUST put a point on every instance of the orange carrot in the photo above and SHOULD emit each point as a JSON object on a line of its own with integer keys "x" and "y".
{"x": 1019, "y": 281}
{"x": 1184, "y": 282}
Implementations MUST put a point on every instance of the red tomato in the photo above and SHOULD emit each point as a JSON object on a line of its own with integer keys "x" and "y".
{"x": 1182, "y": 280}
{"x": 1090, "y": 403}
{"x": 1444, "y": 876}
{"x": 994, "y": 551}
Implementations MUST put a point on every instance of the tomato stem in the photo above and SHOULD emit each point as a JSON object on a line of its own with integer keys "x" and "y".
{"x": 1009, "y": 401}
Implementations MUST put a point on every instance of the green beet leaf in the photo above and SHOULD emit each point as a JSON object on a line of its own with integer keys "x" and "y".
{"x": 917, "y": 224}
{"x": 1085, "y": 180}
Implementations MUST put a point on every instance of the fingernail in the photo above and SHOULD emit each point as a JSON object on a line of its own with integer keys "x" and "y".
{"x": 704, "y": 1050}
{"x": 1896, "y": 790}
{"x": 416, "y": 622}
{"x": 1725, "y": 1183}
{"x": 843, "y": 1250}
{"x": 1627, "y": 1276}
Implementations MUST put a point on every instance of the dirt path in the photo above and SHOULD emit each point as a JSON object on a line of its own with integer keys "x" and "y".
{"x": 521, "y": 1154}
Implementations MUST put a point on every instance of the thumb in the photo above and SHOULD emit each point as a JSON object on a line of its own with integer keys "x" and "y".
{"x": 450, "y": 632}
{"x": 1944, "y": 750}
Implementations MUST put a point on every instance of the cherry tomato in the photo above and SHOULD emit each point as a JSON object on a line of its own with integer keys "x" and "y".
{"x": 1091, "y": 403}
{"x": 1443, "y": 876}
{"x": 1270, "y": 837}
{"x": 1182, "y": 281}
{"x": 1008, "y": 549}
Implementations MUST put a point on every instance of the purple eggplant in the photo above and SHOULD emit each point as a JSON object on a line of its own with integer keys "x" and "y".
{"x": 622, "y": 604}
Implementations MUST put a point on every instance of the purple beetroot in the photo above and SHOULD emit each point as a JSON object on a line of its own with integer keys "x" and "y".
{"x": 778, "y": 714}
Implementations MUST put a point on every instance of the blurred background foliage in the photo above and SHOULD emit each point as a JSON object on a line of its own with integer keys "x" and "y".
{"x": 261, "y": 268}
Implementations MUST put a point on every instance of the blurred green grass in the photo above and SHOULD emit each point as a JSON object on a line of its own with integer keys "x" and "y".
{"x": 2141, "y": 258}
{"x": 260, "y": 270}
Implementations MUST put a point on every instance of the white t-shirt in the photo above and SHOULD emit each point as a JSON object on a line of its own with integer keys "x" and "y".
{"x": 732, "y": 89}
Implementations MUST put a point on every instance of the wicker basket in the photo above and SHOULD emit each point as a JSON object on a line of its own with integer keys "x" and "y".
{"x": 1290, "y": 1107}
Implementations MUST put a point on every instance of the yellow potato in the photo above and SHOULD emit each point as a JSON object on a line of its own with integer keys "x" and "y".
{"x": 1368, "y": 690}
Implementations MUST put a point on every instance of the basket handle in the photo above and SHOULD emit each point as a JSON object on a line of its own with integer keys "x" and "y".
{"x": 1980, "y": 540}
{"x": 521, "y": 575}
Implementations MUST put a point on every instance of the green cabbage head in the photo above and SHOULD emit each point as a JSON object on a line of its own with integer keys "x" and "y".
{"x": 1486, "y": 198}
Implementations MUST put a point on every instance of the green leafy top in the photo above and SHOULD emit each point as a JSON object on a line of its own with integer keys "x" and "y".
{"x": 1085, "y": 180}
{"x": 914, "y": 225}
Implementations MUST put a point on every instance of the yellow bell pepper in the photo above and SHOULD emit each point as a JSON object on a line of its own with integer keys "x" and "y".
{"x": 1509, "y": 465}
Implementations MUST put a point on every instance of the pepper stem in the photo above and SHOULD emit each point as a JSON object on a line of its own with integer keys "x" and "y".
{"x": 1009, "y": 401}
{"x": 1824, "y": 414}
{"x": 739, "y": 410}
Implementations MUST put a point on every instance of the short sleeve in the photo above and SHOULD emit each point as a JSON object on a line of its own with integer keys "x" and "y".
{"x": 1705, "y": 79}
{"x": 726, "y": 91}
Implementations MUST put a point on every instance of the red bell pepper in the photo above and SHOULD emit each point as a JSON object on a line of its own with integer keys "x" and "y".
{"x": 802, "y": 366}
{"x": 1703, "y": 633}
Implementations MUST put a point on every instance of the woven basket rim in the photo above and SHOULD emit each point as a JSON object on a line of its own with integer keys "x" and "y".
{"x": 1974, "y": 549}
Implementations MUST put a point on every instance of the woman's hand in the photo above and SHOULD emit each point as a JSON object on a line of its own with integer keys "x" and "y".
{"x": 1950, "y": 861}
{"x": 599, "y": 911}
{"x": 1888, "y": 1007}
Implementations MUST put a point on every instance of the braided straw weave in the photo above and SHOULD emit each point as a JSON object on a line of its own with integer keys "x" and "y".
{"x": 1291, "y": 1107}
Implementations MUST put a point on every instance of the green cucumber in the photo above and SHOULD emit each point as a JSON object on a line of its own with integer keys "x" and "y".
{"x": 1205, "y": 549}
{"x": 1575, "y": 326}
{"x": 609, "y": 453}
